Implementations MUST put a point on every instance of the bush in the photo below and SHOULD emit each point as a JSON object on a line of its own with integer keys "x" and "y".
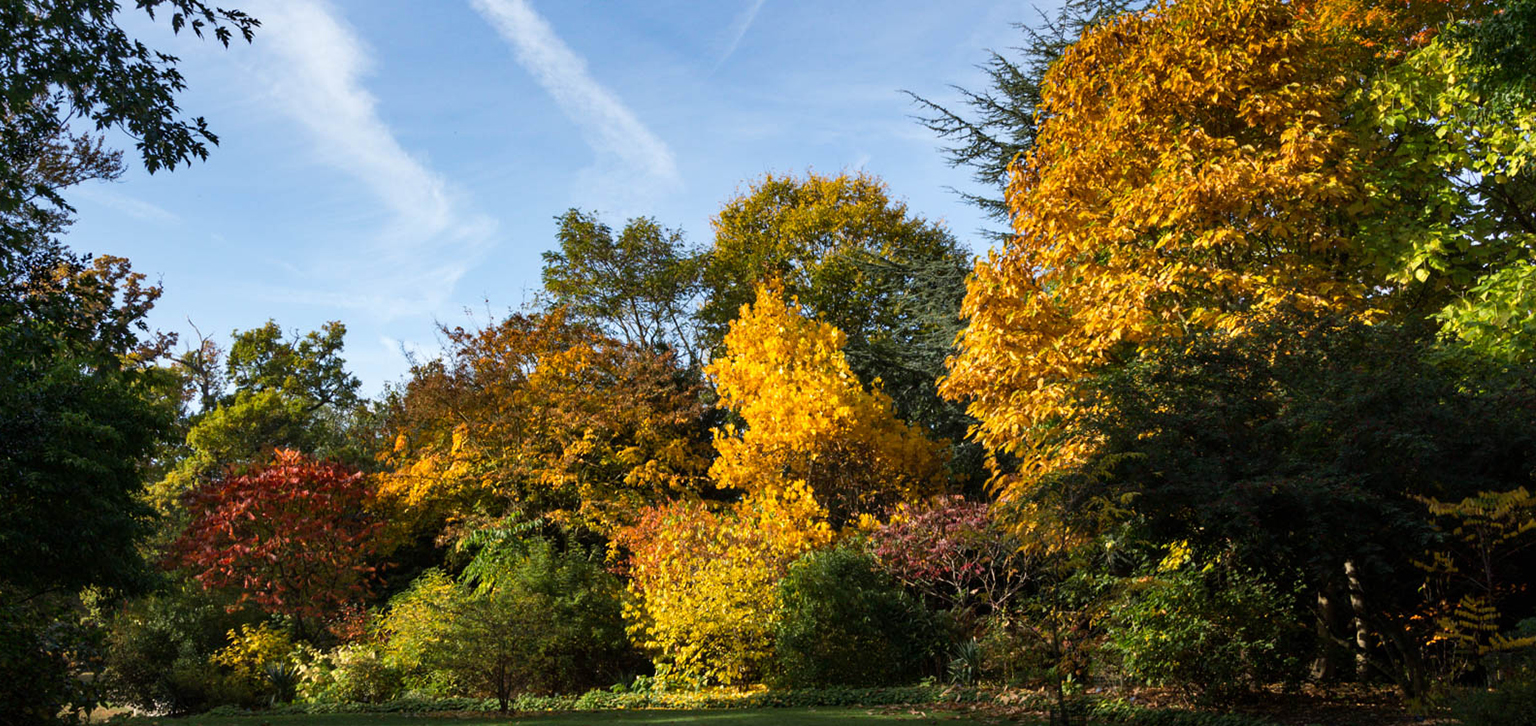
{"x": 534, "y": 619}
{"x": 844, "y": 622}
{"x": 42, "y": 646}
{"x": 706, "y": 699}
{"x": 158, "y": 649}
{"x": 258, "y": 661}
{"x": 1126, "y": 714}
{"x": 352, "y": 673}
{"x": 1207, "y": 631}
{"x": 1513, "y": 704}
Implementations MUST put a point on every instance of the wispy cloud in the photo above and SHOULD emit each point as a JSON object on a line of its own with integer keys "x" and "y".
{"x": 738, "y": 29}
{"x": 136, "y": 208}
{"x": 629, "y": 156}
{"x": 314, "y": 69}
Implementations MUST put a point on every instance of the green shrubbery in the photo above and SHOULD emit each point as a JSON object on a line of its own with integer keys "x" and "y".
{"x": 350, "y": 673}
{"x": 1209, "y": 631}
{"x": 529, "y": 618}
{"x": 1513, "y": 704}
{"x": 158, "y": 650}
{"x": 844, "y": 622}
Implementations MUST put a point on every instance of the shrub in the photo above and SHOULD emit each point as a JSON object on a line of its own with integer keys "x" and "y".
{"x": 844, "y": 622}
{"x": 533, "y": 619}
{"x": 350, "y": 673}
{"x": 42, "y": 646}
{"x": 158, "y": 649}
{"x": 707, "y": 582}
{"x": 1513, "y": 704}
{"x": 1208, "y": 631}
{"x": 954, "y": 553}
{"x": 250, "y": 651}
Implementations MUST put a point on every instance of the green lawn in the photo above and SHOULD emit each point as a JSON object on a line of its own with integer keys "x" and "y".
{"x": 762, "y": 717}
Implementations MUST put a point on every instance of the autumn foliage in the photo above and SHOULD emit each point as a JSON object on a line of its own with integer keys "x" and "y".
{"x": 543, "y": 416}
{"x": 294, "y": 537}
{"x": 707, "y": 581}
{"x": 817, "y": 451}
{"x": 1199, "y": 167}
{"x": 808, "y": 419}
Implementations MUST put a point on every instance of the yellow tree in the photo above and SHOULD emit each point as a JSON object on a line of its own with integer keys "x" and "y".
{"x": 707, "y": 581}
{"x": 809, "y": 421}
{"x": 817, "y": 451}
{"x": 1199, "y": 166}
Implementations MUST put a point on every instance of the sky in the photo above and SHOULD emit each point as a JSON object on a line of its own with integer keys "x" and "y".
{"x": 399, "y": 164}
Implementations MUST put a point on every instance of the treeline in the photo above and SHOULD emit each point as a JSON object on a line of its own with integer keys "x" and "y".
{"x": 1244, "y": 397}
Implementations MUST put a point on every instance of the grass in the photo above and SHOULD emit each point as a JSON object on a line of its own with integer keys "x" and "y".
{"x": 736, "y": 717}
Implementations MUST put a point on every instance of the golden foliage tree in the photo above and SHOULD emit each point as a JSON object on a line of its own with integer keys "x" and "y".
{"x": 1200, "y": 166}
{"x": 808, "y": 420}
{"x": 817, "y": 451}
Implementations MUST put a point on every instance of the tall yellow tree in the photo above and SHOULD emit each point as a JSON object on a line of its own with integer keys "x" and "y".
{"x": 1200, "y": 165}
{"x": 808, "y": 420}
{"x": 816, "y": 452}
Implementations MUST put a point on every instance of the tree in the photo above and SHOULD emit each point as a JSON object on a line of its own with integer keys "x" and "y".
{"x": 707, "y": 580}
{"x": 809, "y": 421}
{"x": 1299, "y": 447}
{"x": 548, "y": 418}
{"x": 290, "y": 392}
{"x": 78, "y": 419}
{"x": 638, "y": 286}
{"x": 308, "y": 367}
{"x": 294, "y": 537}
{"x": 1147, "y": 210}
{"x": 1002, "y": 121}
{"x": 811, "y": 234}
{"x": 72, "y": 60}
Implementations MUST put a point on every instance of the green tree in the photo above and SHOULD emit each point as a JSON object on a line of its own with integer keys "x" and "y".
{"x": 813, "y": 235}
{"x": 290, "y": 391}
{"x": 1300, "y": 447}
{"x": 307, "y": 367}
{"x": 79, "y": 416}
{"x": 639, "y": 286}
{"x": 71, "y": 60}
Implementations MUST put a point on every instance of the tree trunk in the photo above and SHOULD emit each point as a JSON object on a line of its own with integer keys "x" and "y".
{"x": 1362, "y": 633}
{"x": 1326, "y": 667}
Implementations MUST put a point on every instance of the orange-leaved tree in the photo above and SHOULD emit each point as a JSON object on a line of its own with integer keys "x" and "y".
{"x": 543, "y": 417}
{"x": 1199, "y": 166}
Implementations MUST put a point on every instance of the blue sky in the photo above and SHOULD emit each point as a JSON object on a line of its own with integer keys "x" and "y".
{"x": 395, "y": 163}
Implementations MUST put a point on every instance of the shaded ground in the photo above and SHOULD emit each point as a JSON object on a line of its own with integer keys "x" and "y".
{"x": 1338, "y": 706}
{"x": 764, "y": 717}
